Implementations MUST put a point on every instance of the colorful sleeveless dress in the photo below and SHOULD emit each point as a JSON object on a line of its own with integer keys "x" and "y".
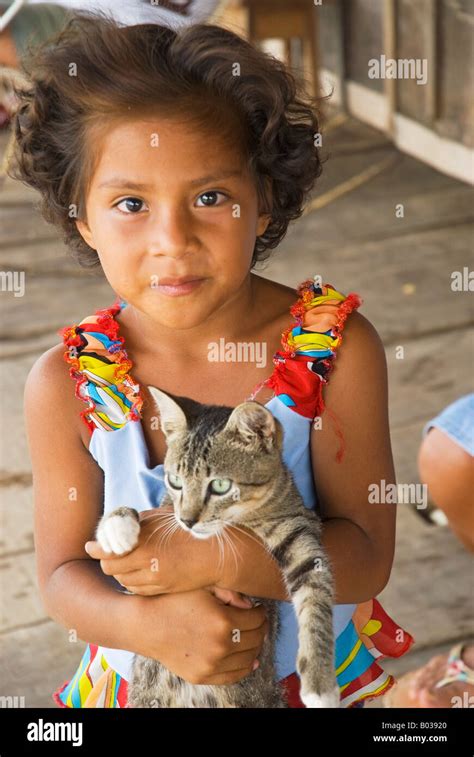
{"x": 102, "y": 370}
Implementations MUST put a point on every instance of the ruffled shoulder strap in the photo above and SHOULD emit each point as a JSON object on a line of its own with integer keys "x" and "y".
{"x": 101, "y": 368}
{"x": 309, "y": 349}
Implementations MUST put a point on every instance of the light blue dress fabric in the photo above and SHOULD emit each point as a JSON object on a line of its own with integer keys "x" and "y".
{"x": 457, "y": 422}
{"x": 130, "y": 481}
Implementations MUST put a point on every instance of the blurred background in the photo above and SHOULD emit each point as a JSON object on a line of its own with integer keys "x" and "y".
{"x": 390, "y": 218}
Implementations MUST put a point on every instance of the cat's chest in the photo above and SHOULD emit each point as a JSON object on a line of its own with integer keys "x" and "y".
{"x": 228, "y": 387}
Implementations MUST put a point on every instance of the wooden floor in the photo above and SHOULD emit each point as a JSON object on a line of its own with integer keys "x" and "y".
{"x": 402, "y": 269}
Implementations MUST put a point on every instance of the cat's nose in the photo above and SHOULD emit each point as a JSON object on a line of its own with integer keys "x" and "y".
{"x": 189, "y": 522}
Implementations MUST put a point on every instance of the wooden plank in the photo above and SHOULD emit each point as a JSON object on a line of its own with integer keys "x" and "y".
{"x": 16, "y": 520}
{"x": 20, "y": 603}
{"x": 36, "y": 661}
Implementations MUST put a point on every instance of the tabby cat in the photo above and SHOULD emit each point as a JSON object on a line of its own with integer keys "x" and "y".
{"x": 234, "y": 455}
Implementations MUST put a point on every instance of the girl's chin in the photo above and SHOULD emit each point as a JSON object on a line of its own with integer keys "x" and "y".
{"x": 179, "y": 313}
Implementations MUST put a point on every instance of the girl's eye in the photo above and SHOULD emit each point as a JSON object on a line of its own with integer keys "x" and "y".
{"x": 209, "y": 199}
{"x": 132, "y": 205}
{"x": 220, "y": 485}
{"x": 175, "y": 481}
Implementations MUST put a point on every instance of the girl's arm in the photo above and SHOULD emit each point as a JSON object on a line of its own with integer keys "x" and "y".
{"x": 359, "y": 534}
{"x": 68, "y": 492}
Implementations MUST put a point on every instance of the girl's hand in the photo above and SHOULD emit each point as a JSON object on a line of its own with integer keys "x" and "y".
{"x": 167, "y": 560}
{"x": 203, "y": 636}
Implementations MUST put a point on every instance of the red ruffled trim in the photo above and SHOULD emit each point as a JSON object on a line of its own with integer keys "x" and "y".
{"x": 55, "y": 696}
{"x": 106, "y": 324}
{"x": 385, "y": 640}
{"x": 310, "y": 398}
{"x": 291, "y": 685}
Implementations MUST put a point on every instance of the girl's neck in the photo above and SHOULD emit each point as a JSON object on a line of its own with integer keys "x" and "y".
{"x": 234, "y": 321}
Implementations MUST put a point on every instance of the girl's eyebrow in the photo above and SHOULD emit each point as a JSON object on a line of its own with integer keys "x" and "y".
{"x": 118, "y": 182}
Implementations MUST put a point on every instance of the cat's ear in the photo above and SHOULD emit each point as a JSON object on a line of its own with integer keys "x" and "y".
{"x": 255, "y": 425}
{"x": 172, "y": 418}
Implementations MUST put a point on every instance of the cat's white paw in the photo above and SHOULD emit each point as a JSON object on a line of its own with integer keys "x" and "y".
{"x": 118, "y": 533}
{"x": 327, "y": 700}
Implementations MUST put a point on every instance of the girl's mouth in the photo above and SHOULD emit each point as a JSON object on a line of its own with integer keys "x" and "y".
{"x": 178, "y": 289}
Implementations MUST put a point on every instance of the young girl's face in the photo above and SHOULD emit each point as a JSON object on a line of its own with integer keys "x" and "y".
{"x": 166, "y": 201}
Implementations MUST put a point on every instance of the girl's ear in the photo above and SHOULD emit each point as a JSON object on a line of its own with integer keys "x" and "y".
{"x": 85, "y": 233}
{"x": 263, "y": 221}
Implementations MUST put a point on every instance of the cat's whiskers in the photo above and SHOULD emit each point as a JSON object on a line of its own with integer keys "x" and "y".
{"x": 257, "y": 541}
{"x": 163, "y": 521}
{"x": 167, "y": 534}
{"x": 221, "y": 550}
{"x": 227, "y": 537}
{"x": 169, "y": 523}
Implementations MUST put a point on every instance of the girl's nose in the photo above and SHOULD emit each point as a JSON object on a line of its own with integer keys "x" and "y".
{"x": 170, "y": 233}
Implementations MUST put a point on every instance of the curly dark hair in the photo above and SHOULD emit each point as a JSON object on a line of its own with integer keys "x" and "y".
{"x": 201, "y": 72}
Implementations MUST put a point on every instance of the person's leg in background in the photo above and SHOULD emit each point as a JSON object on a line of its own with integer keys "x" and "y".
{"x": 448, "y": 470}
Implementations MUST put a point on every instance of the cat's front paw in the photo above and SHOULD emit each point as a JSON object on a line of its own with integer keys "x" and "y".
{"x": 328, "y": 699}
{"x": 118, "y": 532}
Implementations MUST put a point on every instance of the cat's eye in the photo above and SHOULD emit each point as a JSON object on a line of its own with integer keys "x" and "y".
{"x": 175, "y": 481}
{"x": 220, "y": 485}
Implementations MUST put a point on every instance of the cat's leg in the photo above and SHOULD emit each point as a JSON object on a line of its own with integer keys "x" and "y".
{"x": 309, "y": 582}
{"x": 119, "y": 530}
{"x": 297, "y": 548}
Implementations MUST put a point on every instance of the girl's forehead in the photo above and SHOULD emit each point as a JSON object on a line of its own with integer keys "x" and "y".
{"x": 153, "y": 143}
{"x": 153, "y": 132}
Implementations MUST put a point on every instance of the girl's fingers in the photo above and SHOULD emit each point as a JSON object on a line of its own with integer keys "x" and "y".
{"x": 114, "y": 564}
{"x": 144, "y": 591}
{"x": 230, "y": 597}
{"x": 142, "y": 577}
{"x": 239, "y": 660}
{"x": 248, "y": 620}
{"x": 95, "y": 551}
{"x": 245, "y": 641}
{"x": 229, "y": 677}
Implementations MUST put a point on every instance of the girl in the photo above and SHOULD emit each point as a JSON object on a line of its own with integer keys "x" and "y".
{"x": 175, "y": 162}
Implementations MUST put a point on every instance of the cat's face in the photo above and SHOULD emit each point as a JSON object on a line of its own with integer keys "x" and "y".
{"x": 221, "y": 463}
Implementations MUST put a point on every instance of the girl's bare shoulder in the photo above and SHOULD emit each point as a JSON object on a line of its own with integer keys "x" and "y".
{"x": 274, "y": 298}
{"x": 50, "y": 372}
{"x": 50, "y": 388}
{"x": 280, "y": 298}
{"x": 361, "y": 340}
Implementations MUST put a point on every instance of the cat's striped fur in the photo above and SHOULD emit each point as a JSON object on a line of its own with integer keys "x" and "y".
{"x": 242, "y": 446}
